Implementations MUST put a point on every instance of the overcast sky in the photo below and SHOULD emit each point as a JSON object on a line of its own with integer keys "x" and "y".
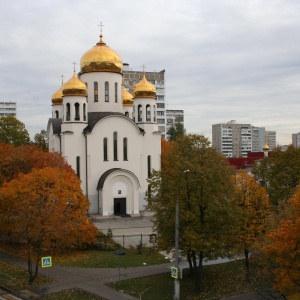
{"x": 224, "y": 59}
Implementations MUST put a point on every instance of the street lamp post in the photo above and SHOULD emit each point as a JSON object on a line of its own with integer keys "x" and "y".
{"x": 177, "y": 281}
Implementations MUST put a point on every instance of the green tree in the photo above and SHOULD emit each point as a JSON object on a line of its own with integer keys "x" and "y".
{"x": 175, "y": 132}
{"x": 40, "y": 140}
{"x": 13, "y": 131}
{"x": 45, "y": 209}
{"x": 279, "y": 173}
{"x": 204, "y": 194}
{"x": 253, "y": 206}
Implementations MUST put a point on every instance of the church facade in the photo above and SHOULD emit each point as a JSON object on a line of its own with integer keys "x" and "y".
{"x": 108, "y": 136}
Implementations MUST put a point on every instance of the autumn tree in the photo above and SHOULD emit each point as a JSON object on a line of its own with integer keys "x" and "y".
{"x": 44, "y": 209}
{"x": 253, "y": 208}
{"x": 22, "y": 159}
{"x": 175, "y": 131}
{"x": 41, "y": 140}
{"x": 13, "y": 131}
{"x": 284, "y": 248}
{"x": 165, "y": 148}
{"x": 279, "y": 173}
{"x": 200, "y": 180}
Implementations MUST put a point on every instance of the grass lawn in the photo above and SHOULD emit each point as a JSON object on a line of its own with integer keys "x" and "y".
{"x": 108, "y": 259}
{"x": 74, "y": 294}
{"x": 15, "y": 278}
{"x": 217, "y": 280}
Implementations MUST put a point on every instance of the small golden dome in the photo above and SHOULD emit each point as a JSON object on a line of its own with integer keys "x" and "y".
{"x": 144, "y": 89}
{"x": 57, "y": 97}
{"x": 266, "y": 147}
{"x": 127, "y": 97}
{"x": 74, "y": 87}
{"x": 101, "y": 59}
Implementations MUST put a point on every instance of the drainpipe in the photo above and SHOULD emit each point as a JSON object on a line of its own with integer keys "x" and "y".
{"x": 86, "y": 166}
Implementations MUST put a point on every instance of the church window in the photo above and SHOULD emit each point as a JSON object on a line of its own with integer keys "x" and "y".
{"x": 106, "y": 85}
{"x": 84, "y": 112}
{"x": 77, "y": 114}
{"x": 68, "y": 112}
{"x": 127, "y": 114}
{"x": 56, "y": 114}
{"x": 133, "y": 113}
{"x": 105, "y": 157}
{"x": 149, "y": 165}
{"x": 125, "y": 153}
{"x": 115, "y": 145}
{"x": 140, "y": 113}
{"x": 78, "y": 166}
{"x": 154, "y": 113}
{"x": 116, "y": 92}
{"x": 95, "y": 91}
{"x": 148, "y": 113}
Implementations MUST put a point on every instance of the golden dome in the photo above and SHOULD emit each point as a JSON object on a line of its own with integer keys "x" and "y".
{"x": 57, "y": 97}
{"x": 101, "y": 59}
{"x": 266, "y": 147}
{"x": 127, "y": 97}
{"x": 74, "y": 87}
{"x": 144, "y": 89}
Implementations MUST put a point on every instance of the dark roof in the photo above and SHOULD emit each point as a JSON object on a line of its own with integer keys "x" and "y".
{"x": 106, "y": 173}
{"x": 56, "y": 125}
{"x": 94, "y": 117}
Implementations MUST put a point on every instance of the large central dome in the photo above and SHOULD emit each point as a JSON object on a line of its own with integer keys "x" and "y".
{"x": 101, "y": 59}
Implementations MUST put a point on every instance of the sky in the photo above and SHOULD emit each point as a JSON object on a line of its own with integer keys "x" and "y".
{"x": 223, "y": 59}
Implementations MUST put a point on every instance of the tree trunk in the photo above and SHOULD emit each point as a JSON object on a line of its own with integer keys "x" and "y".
{"x": 189, "y": 259}
{"x": 247, "y": 265}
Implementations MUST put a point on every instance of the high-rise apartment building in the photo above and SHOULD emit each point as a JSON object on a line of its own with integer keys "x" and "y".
{"x": 271, "y": 139}
{"x": 237, "y": 140}
{"x": 8, "y": 109}
{"x": 173, "y": 116}
{"x": 296, "y": 140}
{"x": 131, "y": 78}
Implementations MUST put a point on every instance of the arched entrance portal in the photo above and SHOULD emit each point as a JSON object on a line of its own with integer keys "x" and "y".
{"x": 118, "y": 193}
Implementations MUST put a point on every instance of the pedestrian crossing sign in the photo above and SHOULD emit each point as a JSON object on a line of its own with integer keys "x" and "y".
{"x": 46, "y": 262}
{"x": 174, "y": 272}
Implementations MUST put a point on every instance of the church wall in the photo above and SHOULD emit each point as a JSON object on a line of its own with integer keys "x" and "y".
{"x": 101, "y": 77}
{"x": 73, "y": 145}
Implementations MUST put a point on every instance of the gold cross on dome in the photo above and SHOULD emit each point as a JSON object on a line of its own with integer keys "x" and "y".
{"x": 101, "y": 25}
{"x": 74, "y": 63}
{"x": 144, "y": 67}
{"x": 62, "y": 79}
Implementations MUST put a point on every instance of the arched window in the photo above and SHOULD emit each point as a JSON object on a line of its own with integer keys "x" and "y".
{"x": 125, "y": 150}
{"x": 149, "y": 165}
{"x": 140, "y": 113}
{"x": 77, "y": 113}
{"x": 84, "y": 112}
{"x": 106, "y": 86}
{"x": 87, "y": 91}
{"x": 105, "y": 157}
{"x": 68, "y": 112}
{"x": 56, "y": 114}
{"x": 116, "y": 92}
{"x": 115, "y": 145}
{"x": 126, "y": 114}
{"x": 154, "y": 113}
{"x": 95, "y": 91}
{"x": 148, "y": 113}
{"x": 78, "y": 166}
{"x": 133, "y": 113}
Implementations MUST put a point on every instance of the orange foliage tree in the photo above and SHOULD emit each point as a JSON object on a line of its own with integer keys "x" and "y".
{"x": 165, "y": 148}
{"x": 22, "y": 159}
{"x": 254, "y": 208}
{"x": 284, "y": 248}
{"x": 45, "y": 209}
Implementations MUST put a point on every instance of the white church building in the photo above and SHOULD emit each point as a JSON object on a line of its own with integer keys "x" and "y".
{"x": 108, "y": 136}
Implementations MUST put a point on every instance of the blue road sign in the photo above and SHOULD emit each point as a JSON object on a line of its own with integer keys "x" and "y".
{"x": 174, "y": 272}
{"x": 46, "y": 262}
